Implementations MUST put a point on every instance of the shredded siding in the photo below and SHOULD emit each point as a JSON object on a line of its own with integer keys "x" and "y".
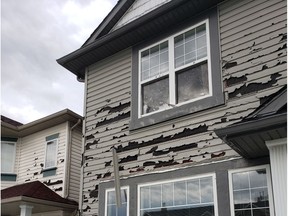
{"x": 253, "y": 49}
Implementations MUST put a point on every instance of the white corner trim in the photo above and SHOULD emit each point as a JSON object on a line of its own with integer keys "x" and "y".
{"x": 277, "y": 142}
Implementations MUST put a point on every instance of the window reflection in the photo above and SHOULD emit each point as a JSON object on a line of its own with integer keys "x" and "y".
{"x": 182, "y": 198}
{"x": 250, "y": 193}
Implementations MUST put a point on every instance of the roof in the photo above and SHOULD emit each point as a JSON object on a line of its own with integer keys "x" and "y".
{"x": 36, "y": 190}
{"x": 36, "y": 194}
{"x": 10, "y": 121}
{"x": 13, "y": 130}
{"x": 103, "y": 43}
{"x": 267, "y": 122}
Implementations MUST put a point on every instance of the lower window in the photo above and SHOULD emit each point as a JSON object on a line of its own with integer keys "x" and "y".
{"x": 186, "y": 197}
{"x": 250, "y": 192}
{"x": 111, "y": 204}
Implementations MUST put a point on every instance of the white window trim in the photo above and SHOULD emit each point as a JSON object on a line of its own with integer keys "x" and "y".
{"x": 172, "y": 71}
{"x": 269, "y": 186}
{"x": 213, "y": 175}
{"x": 46, "y": 143}
{"x": 113, "y": 189}
{"x": 14, "y": 157}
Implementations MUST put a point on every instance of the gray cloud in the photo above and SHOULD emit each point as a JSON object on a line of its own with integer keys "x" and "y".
{"x": 34, "y": 34}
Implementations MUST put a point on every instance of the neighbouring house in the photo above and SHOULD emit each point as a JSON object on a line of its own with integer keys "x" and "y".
{"x": 40, "y": 165}
{"x": 185, "y": 109}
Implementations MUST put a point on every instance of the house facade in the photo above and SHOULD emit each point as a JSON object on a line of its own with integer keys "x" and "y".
{"x": 185, "y": 109}
{"x": 44, "y": 154}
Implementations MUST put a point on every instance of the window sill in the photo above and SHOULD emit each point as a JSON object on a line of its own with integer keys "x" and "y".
{"x": 49, "y": 171}
{"x": 8, "y": 177}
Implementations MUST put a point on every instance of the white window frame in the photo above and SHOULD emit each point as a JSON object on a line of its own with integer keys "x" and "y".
{"x": 46, "y": 144}
{"x": 269, "y": 186}
{"x": 213, "y": 175}
{"x": 14, "y": 157}
{"x": 113, "y": 189}
{"x": 172, "y": 71}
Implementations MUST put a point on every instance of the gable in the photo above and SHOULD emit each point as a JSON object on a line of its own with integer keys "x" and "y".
{"x": 138, "y": 9}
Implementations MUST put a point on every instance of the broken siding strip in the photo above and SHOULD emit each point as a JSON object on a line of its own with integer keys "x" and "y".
{"x": 255, "y": 46}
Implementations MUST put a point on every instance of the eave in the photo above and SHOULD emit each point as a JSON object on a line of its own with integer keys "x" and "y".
{"x": 269, "y": 122}
{"x": 144, "y": 28}
{"x": 11, "y": 131}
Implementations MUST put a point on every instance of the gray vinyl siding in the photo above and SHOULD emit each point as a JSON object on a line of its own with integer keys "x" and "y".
{"x": 75, "y": 165}
{"x": 253, "y": 59}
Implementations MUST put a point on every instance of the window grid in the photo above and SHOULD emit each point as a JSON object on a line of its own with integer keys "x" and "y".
{"x": 172, "y": 70}
{"x": 251, "y": 208}
{"x": 187, "y": 204}
{"x": 125, "y": 190}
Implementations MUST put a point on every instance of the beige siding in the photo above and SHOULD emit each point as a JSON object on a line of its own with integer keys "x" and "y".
{"x": 32, "y": 156}
{"x": 75, "y": 164}
{"x": 253, "y": 50}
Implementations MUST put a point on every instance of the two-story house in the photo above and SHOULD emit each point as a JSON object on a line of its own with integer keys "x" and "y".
{"x": 40, "y": 165}
{"x": 185, "y": 109}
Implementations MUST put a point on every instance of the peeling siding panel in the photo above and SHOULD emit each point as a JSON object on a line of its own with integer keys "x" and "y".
{"x": 32, "y": 156}
{"x": 253, "y": 49}
{"x": 75, "y": 166}
{"x": 138, "y": 9}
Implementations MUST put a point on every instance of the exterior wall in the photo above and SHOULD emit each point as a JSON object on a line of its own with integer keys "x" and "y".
{"x": 30, "y": 159}
{"x": 75, "y": 165}
{"x": 138, "y": 9}
{"x": 253, "y": 49}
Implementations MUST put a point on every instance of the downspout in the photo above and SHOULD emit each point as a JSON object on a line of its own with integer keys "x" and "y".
{"x": 68, "y": 158}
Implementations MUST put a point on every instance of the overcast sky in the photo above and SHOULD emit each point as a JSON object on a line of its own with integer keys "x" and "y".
{"x": 34, "y": 33}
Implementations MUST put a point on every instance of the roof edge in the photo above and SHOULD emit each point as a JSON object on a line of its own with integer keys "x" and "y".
{"x": 251, "y": 126}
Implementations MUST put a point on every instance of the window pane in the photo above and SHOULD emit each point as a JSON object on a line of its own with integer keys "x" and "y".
{"x": 243, "y": 213}
{"x": 145, "y": 197}
{"x": 51, "y": 154}
{"x": 155, "y": 196}
{"x": 180, "y": 193}
{"x": 112, "y": 209}
{"x": 192, "y": 83}
{"x": 206, "y": 190}
{"x": 258, "y": 178}
{"x": 151, "y": 60}
{"x": 192, "y": 45}
{"x": 193, "y": 196}
{"x": 7, "y": 157}
{"x": 259, "y": 197}
{"x": 240, "y": 180}
{"x": 261, "y": 212}
{"x": 155, "y": 96}
{"x": 167, "y": 194}
{"x": 241, "y": 199}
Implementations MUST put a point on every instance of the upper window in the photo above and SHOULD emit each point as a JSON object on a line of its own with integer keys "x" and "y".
{"x": 250, "y": 192}
{"x": 51, "y": 151}
{"x": 8, "y": 152}
{"x": 193, "y": 196}
{"x": 177, "y": 74}
{"x": 175, "y": 70}
{"x": 111, "y": 206}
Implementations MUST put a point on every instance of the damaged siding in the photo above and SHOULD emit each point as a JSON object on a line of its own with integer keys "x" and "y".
{"x": 253, "y": 48}
{"x": 32, "y": 156}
